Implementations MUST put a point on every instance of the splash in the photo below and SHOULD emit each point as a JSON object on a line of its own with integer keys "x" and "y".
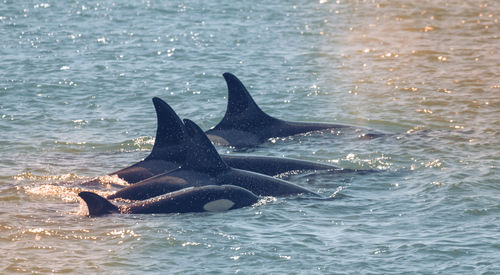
{"x": 353, "y": 161}
{"x": 265, "y": 200}
{"x": 112, "y": 180}
{"x": 336, "y": 193}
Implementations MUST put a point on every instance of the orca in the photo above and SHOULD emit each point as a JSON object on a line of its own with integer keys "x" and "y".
{"x": 271, "y": 166}
{"x": 208, "y": 198}
{"x": 204, "y": 166}
{"x": 168, "y": 151}
{"x": 170, "y": 147}
{"x": 245, "y": 124}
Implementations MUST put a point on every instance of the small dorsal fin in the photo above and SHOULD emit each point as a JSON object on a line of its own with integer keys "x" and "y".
{"x": 240, "y": 105}
{"x": 171, "y": 136}
{"x": 98, "y": 205}
{"x": 202, "y": 155}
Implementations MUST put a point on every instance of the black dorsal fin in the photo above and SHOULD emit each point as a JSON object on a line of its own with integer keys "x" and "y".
{"x": 241, "y": 108}
{"x": 171, "y": 136}
{"x": 202, "y": 155}
{"x": 98, "y": 205}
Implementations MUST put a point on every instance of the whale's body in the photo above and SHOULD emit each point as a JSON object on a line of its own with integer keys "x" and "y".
{"x": 170, "y": 148}
{"x": 203, "y": 166}
{"x": 245, "y": 124}
{"x": 200, "y": 199}
{"x": 168, "y": 151}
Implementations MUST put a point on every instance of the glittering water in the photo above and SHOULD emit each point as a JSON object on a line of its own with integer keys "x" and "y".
{"x": 76, "y": 82}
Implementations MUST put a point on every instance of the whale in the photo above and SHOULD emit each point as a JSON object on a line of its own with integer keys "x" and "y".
{"x": 267, "y": 165}
{"x": 246, "y": 125}
{"x": 208, "y": 198}
{"x": 170, "y": 148}
{"x": 168, "y": 151}
{"x": 204, "y": 166}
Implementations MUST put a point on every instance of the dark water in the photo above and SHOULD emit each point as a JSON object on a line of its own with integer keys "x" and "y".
{"x": 76, "y": 82}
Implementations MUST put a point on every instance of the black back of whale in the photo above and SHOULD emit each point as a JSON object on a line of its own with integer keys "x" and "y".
{"x": 273, "y": 166}
{"x": 245, "y": 124}
{"x": 168, "y": 151}
{"x": 199, "y": 199}
{"x": 204, "y": 166}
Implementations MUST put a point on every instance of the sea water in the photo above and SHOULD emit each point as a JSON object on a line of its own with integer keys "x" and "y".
{"x": 76, "y": 82}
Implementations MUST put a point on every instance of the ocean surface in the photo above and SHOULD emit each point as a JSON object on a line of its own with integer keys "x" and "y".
{"x": 76, "y": 82}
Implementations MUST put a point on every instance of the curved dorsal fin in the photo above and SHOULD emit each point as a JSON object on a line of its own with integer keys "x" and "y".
{"x": 202, "y": 155}
{"x": 241, "y": 107}
{"x": 171, "y": 136}
{"x": 98, "y": 205}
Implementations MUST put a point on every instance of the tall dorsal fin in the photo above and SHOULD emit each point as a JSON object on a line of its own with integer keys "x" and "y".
{"x": 202, "y": 155}
{"x": 98, "y": 205}
{"x": 171, "y": 136}
{"x": 241, "y": 107}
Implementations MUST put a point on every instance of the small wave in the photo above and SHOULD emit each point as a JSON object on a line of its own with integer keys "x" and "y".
{"x": 32, "y": 177}
{"x": 64, "y": 187}
{"x": 65, "y": 193}
{"x": 143, "y": 143}
{"x": 107, "y": 180}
